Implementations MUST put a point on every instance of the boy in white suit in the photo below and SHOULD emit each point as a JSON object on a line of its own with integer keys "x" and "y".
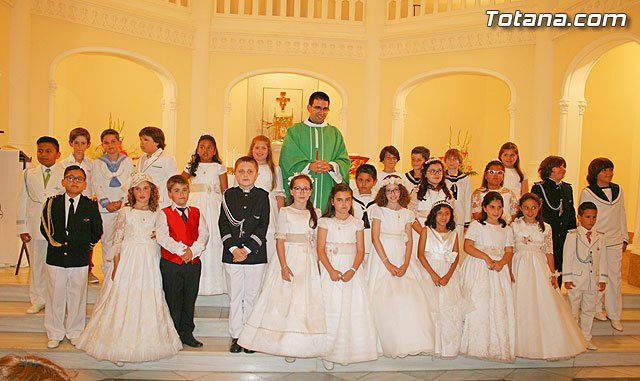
{"x": 585, "y": 272}
{"x": 39, "y": 183}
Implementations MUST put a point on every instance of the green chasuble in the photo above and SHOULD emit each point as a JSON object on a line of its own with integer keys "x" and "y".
{"x": 302, "y": 145}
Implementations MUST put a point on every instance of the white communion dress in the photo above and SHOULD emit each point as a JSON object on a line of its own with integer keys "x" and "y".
{"x": 401, "y": 311}
{"x": 131, "y": 322}
{"x": 351, "y": 334}
{"x": 205, "y": 195}
{"x": 545, "y": 328}
{"x": 451, "y": 305}
{"x": 289, "y": 317}
{"x": 489, "y": 330}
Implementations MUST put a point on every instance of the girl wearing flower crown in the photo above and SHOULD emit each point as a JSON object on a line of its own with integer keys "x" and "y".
{"x": 400, "y": 306}
{"x": 289, "y": 318}
{"x": 535, "y": 295}
{"x": 208, "y": 182}
{"x": 131, "y": 321}
{"x": 438, "y": 254}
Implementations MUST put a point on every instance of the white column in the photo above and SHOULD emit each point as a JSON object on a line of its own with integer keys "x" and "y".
{"x": 542, "y": 108}
{"x": 53, "y": 87}
{"x": 399, "y": 116}
{"x": 374, "y": 21}
{"x": 201, "y": 15}
{"x": 19, "y": 65}
{"x": 169, "y": 112}
{"x": 225, "y": 132}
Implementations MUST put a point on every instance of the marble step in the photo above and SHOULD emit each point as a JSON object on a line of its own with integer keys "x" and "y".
{"x": 214, "y": 356}
{"x": 20, "y": 293}
{"x": 14, "y": 292}
{"x": 213, "y": 321}
{"x": 210, "y": 321}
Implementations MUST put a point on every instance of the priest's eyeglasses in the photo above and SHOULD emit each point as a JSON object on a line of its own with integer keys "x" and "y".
{"x": 318, "y": 108}
{"x": 301, "y": 189}
{"x": 74, "y": 179}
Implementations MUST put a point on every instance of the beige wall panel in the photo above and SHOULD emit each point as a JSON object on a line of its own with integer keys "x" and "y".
{"x": 5, "y": 19}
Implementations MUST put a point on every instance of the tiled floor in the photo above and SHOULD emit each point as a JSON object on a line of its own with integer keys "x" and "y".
{"x": 551, "y": 374}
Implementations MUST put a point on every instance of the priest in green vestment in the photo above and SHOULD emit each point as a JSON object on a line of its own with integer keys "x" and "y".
{"x": 316, "y": 148}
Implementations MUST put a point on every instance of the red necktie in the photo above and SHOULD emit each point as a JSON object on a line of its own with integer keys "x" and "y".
{"x": 589, "y": 237}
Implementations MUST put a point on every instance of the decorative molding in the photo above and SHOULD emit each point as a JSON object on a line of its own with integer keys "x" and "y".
{"x": 8, "y": 2}
{"x": 169, "y": 104}
{"x": 582, "y": 106}
{"x": 53, "y": 87}
{"x": 290, "y": 45}
{"x": 595, "y": 6}
{"x": 564, "y": 106}
{"x": 85, "y": 13}
{"x": 483, "y": 38}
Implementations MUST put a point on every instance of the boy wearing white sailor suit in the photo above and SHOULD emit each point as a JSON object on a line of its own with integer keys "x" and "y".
{"x": 612, "y": 222}
{"x": 362, "y": 204}
{"x": 108, "y": 178}
{"x": 160, "y": 166}
{"x": 32, "y": 197}
{"x": 243, "y": 223}
{"x": 585, "y": 267}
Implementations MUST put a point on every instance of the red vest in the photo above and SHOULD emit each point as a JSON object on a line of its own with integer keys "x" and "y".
{"x": 181, "y": 232}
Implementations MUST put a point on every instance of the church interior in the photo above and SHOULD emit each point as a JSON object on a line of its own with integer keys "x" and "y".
{"x": 398, "y": 72}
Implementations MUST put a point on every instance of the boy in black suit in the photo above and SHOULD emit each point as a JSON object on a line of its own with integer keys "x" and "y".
{"x": 72, "y": 225}
{"x": 243, "y": 222}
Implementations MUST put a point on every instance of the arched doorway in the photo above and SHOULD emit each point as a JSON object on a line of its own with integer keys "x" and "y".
{"x": 251, "y": 105}
{"x": 431, "y": 106}
{"x": 87, "y": 84}
{"x": 600, "y": 114}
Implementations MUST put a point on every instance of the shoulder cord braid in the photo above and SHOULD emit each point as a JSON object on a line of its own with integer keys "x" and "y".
{"x": 48, "y": 224}
{"x": 546, "y": 199}
{"x": 230, "y": 217}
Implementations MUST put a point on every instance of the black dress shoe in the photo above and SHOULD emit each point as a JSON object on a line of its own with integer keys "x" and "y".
{"x": 192, "y": 342}
{"x": 235, "y": 347}
{"x": 247, "y": 350}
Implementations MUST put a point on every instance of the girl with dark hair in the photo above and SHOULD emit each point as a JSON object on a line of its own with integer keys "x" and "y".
{"x": 208, "y": 182}
{"x": 535, "y": 295}
{"x": 493, "y": 180}
{"x": 432, "y": 189}
{"x": 438, "y": 254}
{"x": 292, "y": 284}
{"x": 489, "y": 330}
{"x": 612, "y": 221}
{"x": 400, "y": 305}
{"x": 557, "y": 204}
{"x": 351, "y": 334}
{"x": 514, "y": 177}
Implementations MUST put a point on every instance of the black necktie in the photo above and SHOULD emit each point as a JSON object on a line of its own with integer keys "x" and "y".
{"x": 365, "y": 219}
{"x": 454, "y": 190}
{"x": 183, "y": 214}
{"x": 70, "y": 215}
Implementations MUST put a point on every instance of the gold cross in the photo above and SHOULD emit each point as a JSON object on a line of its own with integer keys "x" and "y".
{"x": 282, "y": 100}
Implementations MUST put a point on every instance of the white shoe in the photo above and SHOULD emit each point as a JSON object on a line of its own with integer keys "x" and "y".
{"x": 92, "y": 279}
{"x": 617, "y": 325}
{"x": 52, "y": 344}
{"x": 35, "y": 308}
{"x": 75, "y": 341}
{"x": 328, "y": 365}
{"x": 290, "y": 359}
{"x": 591, "y": 346}
{"x": 600, "y": 316}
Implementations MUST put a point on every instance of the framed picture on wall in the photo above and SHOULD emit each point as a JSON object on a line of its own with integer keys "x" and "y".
{"x": 281, "y": 107}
